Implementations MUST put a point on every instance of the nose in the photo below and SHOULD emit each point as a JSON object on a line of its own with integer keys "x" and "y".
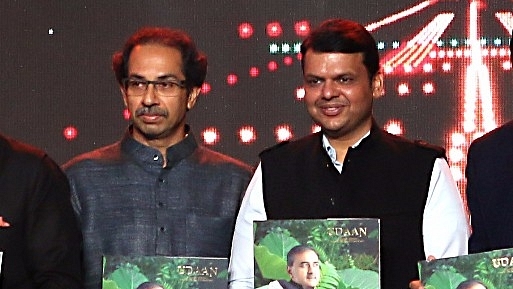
{"x": 329, "y": 89}
{"x": 150, "y": 96}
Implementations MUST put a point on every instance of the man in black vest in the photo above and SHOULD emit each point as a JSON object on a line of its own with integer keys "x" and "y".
{"x": 489, "y": 175}
{"x": 352, "y": 168}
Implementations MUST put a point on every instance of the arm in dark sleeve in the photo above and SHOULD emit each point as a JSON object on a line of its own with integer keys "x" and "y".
{"x": 53, "y": 238}
{"x": 478, "y": 241}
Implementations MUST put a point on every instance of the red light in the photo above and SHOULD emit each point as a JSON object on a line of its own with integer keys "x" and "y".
{"x": 254, "y": 71}
{"x": 272, "y": 66}
{"x": 245, "y": 30}
{"x": 302, "y": 28}
{"x": 206, "y": 88}
{"x": 231, "y": 79}
{"x": 274, "y": 29}
{"x": 70, "y": 133}
{"x": 287, "y": 60}
{"x": 126, "y": 114}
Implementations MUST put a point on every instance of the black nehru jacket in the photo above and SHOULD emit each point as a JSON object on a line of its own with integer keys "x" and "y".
{"x": 385, "y": 177}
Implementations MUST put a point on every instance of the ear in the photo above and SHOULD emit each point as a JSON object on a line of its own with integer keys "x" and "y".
{"x": 289, "y": 271}
{"x": 192, "y": 97}
{"x": 378, "y": 85}
{"x": 123, "y": 92}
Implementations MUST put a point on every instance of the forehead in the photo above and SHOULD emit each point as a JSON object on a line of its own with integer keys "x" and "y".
{"x": 327, "y": 63}
{"x": 154, "y": 57}
{"x": 306, "y": 256}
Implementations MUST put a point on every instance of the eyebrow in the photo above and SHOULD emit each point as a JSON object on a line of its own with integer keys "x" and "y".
{"x": 167, "y": 76}
{"x": 306, "y": 262}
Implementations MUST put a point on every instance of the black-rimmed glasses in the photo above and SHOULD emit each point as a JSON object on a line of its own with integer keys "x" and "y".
{"x": 163, "y": 87}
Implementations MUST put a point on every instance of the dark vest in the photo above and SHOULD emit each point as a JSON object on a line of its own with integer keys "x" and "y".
{"x": 385, "y": 177}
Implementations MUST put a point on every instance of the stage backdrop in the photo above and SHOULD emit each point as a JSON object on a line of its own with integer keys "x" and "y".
{"x": 446, "y": 65}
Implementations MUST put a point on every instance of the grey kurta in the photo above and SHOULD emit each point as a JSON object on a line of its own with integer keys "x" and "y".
{"x": 128, "y": 204}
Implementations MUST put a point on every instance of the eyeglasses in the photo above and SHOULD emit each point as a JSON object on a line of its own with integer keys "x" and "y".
{"x": 164, "y": 87}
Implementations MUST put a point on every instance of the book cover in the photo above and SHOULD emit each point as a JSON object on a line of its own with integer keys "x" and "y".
{"x": 162, "y": 272}
{"x": 347, "y": 249}
{"x": 487, "y": 270}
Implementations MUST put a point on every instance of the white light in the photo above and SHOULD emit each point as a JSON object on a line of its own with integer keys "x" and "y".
{"x": 456, "y": 155}
{"x": 403, "y": 89}
{"x": 394, "y": 127}
{"x": 457, "y": 139}
{"x": 210, "y": 136}
{"x": 273, "y": 48}
{"x": 285, "y": 48}
{"x": 300, "y": 93}
{"x": 247, "y": 134}
{"x": 457, "y": 173}
{"x": 283, "y": 133}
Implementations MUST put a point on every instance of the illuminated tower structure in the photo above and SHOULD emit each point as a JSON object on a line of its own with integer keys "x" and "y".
{"x": 477, "y": 108}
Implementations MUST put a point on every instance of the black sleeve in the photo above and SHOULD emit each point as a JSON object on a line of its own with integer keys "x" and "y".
{"x": 53, "y": 237}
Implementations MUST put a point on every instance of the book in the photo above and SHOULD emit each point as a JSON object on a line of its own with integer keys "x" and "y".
{"x": 130, "y": 272}
{"x": 492, "y": 270}
{"x": 348, "y": 251}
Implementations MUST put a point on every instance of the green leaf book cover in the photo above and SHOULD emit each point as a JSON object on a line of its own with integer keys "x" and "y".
{"x": 487, "y": 270}
{"x": 347, "y": 251}
{"x": 162, "y": 272}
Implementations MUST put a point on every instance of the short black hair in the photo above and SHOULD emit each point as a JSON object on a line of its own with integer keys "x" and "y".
{"x": 149, "y": 285}
{"x": 194, "y": 62}
{"x": 469, "y": 283}
{"x": 343, "y": 36}
{"x": 296, "y": 250}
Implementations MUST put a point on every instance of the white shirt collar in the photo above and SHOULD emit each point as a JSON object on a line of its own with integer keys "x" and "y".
{"x": 332, "y": 153}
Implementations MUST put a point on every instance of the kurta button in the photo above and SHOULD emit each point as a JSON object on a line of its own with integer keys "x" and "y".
{"x": 160, "y": 204}
{"x": 162, "y": 180}
{"x": 162, "y": 229}
{"x": 156, "y": 157}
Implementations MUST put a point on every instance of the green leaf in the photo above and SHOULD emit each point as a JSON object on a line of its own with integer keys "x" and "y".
{"x": 445, "y": 279}
{"x": 358, "y": 278}
{"x": 271, "y": 266}
{"x": 128, "y": 276}
{"x": 109, "y": 284}
{"x": 279, "y": 242}
{"x": 329, "y": 277}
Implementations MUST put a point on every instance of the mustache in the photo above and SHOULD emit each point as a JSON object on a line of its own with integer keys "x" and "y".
{"x": 150, "y": 110}
{"x": 337, "y": 102}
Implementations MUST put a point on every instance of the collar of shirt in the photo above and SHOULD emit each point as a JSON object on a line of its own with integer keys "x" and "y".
{"x": 149, "y": 157}
{"x": 332, "y": 153}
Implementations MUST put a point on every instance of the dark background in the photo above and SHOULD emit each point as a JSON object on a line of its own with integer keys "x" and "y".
{"x": 51, "y": 81}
